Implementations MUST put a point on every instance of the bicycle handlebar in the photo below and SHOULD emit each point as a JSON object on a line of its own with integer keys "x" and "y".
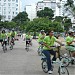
{"x": 57, "y": 46}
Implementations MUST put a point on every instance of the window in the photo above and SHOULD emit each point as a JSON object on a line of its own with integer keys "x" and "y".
{"x": 9, "y": 12}
{"x": 16, "y": 8}
{"x": 9, "y": 4}
{"x": 16, "y": 4}
{"x": 9, "y": 16}
{"x": 13, "y": 12}
{"x": 17, "y": 1}
{"x": 9, "y": 0}
{"x": 4, "y": 0}
{"x": 16, "y": 13}
{"x": 4, "y": 4}
{"x": 13, "y": 0}
{"x": 53, "y": 5}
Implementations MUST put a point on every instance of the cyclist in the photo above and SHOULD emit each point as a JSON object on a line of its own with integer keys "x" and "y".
{"x": 28, "y": 39}
{"x": 41, "y": 37}
{"x": 13, "y": 36}
{"x": 8, "y": 36}
{"x": 4, "y": 37}
{"x": 69, "y": 43}
{"x": 49, "y": 41}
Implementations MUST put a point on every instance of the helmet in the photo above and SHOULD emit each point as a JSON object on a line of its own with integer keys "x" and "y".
{"x": 42, "y": 30}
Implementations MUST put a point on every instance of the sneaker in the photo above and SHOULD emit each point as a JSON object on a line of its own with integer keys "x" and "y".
{"x": 50, "y": 72}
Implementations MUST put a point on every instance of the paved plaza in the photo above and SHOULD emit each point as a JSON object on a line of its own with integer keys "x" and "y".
{"x": 20, "y": 62}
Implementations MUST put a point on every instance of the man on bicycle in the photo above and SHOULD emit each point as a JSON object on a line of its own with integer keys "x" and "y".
{"x": 4, "y": 37}
{"x": 41, "y": 37}
{"x": 69, "y": 43}
{"x": 13, "y": 36}
{"x": 48, "y": 42}
{"x": 28, "y": 39}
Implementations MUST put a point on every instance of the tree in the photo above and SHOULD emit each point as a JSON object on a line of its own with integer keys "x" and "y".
{"x": 21, "y": 18}
{"x": 67, "y": 24}
{"x": 58, "y": 18}
{"x": 47, "y": 12}
{"x": 70, "y": 7}
{"x": 43, "y": 23}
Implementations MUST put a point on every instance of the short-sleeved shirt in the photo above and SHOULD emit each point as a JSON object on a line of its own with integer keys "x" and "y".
{"x": 69, "y": 47}
{"x": 40, "y": 39}
{"x": 3, "y": 36}
{"x": 8, "y": 34}
{"x": 12, "y": 34}
{"x": 49, "y": 41}
{"x": 28, "y": 36}
{"x": 69, "y": 39}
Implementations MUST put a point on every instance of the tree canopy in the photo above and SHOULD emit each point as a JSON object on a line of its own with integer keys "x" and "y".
{"x": 47, "y": 12}
{"x": 21, "y": 18}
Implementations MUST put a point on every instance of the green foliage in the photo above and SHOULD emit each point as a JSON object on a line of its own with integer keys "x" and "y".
{"x": 45, "y": 13}
{"x": 58, "y": 18}
{"x": 67, "y": 24}
{"x": 43, "y": 23}
{"x": 21, "y": 18}
{"x": 70, "y": 6}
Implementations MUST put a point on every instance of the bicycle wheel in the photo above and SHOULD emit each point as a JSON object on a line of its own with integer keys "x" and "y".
{"x": 63, "y": 71}
{"x": 4, "y": 49}
{"x": 44, "y": 66}
{"x": 11, "y": 47}
{"x": 27, "y": 47}
{"x": 65, "y": 61}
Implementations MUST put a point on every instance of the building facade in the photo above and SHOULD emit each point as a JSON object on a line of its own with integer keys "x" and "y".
{"x": 55, "y": 5}
{"x": 31, "y": 11}
{"x": 9, "y": 9}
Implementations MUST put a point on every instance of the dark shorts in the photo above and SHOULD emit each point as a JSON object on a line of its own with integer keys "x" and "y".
{"x": 28, "y": 41}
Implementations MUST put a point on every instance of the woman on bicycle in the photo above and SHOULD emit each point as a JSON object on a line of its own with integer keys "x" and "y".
{"x": 49, "y": 41}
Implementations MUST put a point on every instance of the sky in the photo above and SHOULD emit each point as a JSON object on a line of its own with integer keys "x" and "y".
{"x": 29, "y": 2}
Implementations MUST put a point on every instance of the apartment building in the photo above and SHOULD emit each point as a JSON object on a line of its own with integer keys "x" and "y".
{"x": 55, "y": 5}
{"x": 9, "y": 9}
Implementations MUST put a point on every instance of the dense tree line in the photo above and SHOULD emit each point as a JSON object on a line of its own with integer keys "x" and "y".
{"x": 44, "y": 21}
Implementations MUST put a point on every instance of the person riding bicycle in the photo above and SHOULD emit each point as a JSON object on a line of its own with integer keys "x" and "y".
{"x": 69, "y": 43}
{"x": 28, "y": 39}
{"x": 47, "y": 42}
{"x": 12, "y": 36}
{"x": 8, "y": 36}
{"x": 0, "y": 37}
{"x": 41, "y": 36}
{"x": 4, "y": 37}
